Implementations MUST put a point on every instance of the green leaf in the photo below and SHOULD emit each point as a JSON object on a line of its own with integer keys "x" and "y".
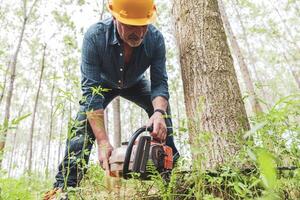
{"x": 17, "y": 120}
{"x": 254, "y": 129}
{"x": 267, "y": 167}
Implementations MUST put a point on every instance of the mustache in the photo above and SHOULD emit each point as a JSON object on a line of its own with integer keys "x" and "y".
{"x": 134, "y": 37}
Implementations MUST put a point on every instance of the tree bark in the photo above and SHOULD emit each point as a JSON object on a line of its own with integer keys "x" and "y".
{"x": 213, "y": 100}
{"x": 117, "y": 122}
{"x": 34, "y": 111}
{"x": 256, "y": 108}
{"x": 51, "y": 125}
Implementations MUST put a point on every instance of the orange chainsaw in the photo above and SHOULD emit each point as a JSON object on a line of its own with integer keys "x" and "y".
{"x": 137, "y": 155}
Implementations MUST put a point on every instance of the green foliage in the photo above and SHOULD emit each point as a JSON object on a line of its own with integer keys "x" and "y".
{"x": 70, "y": 42}
{"x": 256, "y": 176}
{"x": 80, "y": 2}
{"x": 25, "y": 188}
{"x": 11, "y": 124}
{"x": 63, "y": 19}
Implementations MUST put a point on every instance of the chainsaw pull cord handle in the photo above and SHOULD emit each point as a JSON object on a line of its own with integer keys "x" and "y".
{"x": 129, "y": 149}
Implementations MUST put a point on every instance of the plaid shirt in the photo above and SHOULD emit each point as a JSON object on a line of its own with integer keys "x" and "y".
{"x": 103, "y": 63}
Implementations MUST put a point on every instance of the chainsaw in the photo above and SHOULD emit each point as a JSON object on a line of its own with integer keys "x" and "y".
{"x": 142, "y": 155}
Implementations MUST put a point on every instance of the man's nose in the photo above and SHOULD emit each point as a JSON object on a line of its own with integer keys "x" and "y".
{"x": 140, "y": 30}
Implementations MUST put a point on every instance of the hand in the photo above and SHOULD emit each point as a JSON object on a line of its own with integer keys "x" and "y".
{"x": 104, "y": 152}
{"x": 159, "y": 126}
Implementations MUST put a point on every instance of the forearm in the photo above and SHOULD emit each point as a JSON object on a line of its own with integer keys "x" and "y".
{"x": 96, "y": 120}
{"x": 160, "y": 103}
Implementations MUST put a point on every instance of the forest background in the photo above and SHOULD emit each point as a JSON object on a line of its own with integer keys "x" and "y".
{"x": 40, "y": 44}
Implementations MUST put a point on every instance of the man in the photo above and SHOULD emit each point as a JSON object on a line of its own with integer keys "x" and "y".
{"x": 115, "y": 54}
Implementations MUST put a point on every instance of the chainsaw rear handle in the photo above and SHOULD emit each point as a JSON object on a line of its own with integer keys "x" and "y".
{"x": 129, "y": 149}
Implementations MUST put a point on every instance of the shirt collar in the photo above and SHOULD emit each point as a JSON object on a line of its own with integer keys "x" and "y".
{"x": 114, "y": 35}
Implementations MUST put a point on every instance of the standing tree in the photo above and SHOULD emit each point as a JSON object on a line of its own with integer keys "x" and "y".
{"x": 117, "y": 122}
{"x": 256, "y": 108}
{"x": 52, "y": 102}
{"x": 30, "y": 145}
{"x": 213, "y": 100}
{"x": 12, "y": 66}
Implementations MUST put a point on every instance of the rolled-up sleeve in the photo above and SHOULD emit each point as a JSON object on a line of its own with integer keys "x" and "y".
{"x": 158, "y": 74}
{"x": 90, "y": 75}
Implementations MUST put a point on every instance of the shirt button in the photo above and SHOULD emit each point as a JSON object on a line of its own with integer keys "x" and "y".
{"x": 120, "y": 81}
{"x": 121, "y": 54}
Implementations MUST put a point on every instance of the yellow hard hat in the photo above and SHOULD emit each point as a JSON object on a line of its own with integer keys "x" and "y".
{"x": 133, "y": 12}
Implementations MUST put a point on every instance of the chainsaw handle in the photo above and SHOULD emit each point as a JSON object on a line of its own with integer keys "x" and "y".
{"x": 129, "y": 149}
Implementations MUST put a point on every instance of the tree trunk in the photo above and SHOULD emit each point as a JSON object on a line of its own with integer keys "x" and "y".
{"x": 51, "y": 126}
{"x": 13, "y": 66}
{"x": 102, "y": 9}
{"x": 256, "y": 108}
{"x": 213, "y": 100}
{"x": 4, "y": 83}
{"x": 106, "y": 121}
{"x": 60, "y": 136}
{"x": 295, "y": 73}
{"x": 250, "y": 52}
{"x": 178, "y": 117}
{"x": 34, "y": 111}
{"x": 16, "y": 132}
{"x": 117, "y": 122}
{"x": 292, "y": 40}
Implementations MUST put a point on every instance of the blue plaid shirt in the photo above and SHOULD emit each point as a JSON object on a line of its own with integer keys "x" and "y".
{"x": 103, "y": 63}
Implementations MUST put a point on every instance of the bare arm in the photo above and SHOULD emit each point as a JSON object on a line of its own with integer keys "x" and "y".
{"x": 96, "y": 120}
{"x": 160, "y": 103}
{"x": 157, "y": 119}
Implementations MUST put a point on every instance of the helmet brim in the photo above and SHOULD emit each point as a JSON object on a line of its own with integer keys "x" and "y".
{"x": 134, "y": 21}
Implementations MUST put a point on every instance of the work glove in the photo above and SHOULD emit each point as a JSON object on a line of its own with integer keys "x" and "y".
{"x": 159, "y": 126}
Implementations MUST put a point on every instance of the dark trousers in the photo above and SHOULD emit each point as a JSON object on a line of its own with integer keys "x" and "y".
{"x": 81, "y": 138}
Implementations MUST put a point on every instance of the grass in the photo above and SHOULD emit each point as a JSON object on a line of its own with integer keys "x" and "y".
{"x": 273, "y": 141}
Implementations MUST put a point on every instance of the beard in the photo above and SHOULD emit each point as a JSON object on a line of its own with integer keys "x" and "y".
{"x": 133, "y": 40}
{"x": 134, "y": 43}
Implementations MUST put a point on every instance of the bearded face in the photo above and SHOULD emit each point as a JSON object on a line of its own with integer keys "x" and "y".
{"x": 132, "y": 35}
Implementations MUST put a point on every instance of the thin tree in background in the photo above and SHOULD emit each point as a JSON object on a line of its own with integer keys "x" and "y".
{"x": 117, "y": 122}
{"x": 12, "y": 67}
{"x": 62, "y": 121}
{"x": 12, "y": 156}
{"x": 4, "y": 83}
{"x": 106, "y": 120}
{"x": 52, "y": 102}
{"x": 256, "y": 108}
{"x": 295, "y": 71}
{"x": 30, "y": 145}
{"x": 249, "y": 48}
{"x": 213, "y": 100}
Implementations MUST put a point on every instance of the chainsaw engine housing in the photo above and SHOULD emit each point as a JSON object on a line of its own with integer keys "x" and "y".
{"x": 138, "y": 156}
